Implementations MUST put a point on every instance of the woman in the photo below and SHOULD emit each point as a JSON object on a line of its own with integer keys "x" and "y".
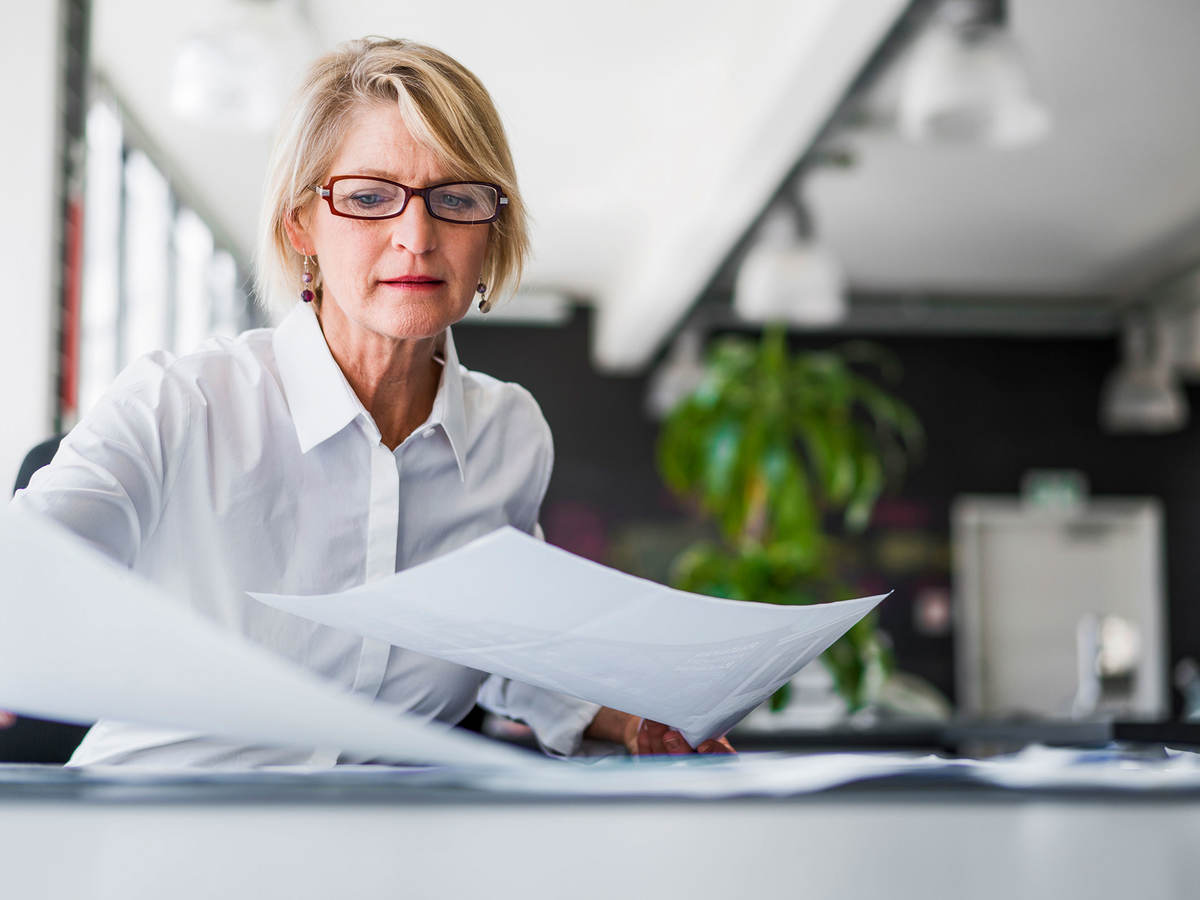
{"x": 347, "y": 443}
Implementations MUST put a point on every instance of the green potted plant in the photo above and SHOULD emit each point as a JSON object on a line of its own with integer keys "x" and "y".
{"x": 779, "y": 449}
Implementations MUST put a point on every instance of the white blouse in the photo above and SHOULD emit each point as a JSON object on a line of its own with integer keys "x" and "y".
{"x": 251, "y": 465}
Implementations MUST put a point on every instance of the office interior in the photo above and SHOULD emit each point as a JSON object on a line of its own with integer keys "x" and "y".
{"x": 988, "y": 208}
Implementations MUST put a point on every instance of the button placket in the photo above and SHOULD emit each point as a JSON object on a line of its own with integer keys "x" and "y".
{"x": 383, "y": 521}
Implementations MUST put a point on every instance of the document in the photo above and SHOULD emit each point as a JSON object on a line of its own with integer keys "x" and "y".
{"x": 82, "y": 638}
{"x": 697, "y": 776}
{"x": 515, "y": 606}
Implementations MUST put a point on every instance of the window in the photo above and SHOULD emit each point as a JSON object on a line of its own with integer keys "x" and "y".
{"x": 155, "y": 275}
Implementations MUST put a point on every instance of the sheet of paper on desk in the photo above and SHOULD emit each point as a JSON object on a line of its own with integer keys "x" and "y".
{"x": 82, "y": 638}
{"x": 510, "y": 604}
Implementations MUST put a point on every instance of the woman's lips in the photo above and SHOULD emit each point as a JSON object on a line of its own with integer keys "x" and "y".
{"x": 414, "y": 283}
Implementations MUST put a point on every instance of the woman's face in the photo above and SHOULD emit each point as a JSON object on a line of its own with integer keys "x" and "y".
{"x": 364, "y": 262}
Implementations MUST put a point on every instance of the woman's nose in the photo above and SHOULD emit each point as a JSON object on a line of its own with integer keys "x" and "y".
{"x": 414, "y": 229}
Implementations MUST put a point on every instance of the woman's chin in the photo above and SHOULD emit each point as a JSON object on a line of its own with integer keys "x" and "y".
{"x": 402, "y": 317}
{"x": 414, "y": 321}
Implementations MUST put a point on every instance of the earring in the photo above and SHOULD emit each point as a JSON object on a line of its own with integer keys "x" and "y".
{"x": 306, "y": 295}
{"x": 484, "y": 303}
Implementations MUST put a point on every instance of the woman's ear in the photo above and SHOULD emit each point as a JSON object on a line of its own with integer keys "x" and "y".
{"x": 297, "y": 232}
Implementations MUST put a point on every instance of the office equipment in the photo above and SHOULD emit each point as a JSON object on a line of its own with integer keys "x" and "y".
{"x": 1059, "y": 611}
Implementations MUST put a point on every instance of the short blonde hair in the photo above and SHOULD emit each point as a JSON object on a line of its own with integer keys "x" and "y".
{"x": 444, "y": 107}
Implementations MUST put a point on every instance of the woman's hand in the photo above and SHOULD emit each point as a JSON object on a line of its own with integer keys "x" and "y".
{"x": 7, "y": 719}
{"x": 645, "y": 737}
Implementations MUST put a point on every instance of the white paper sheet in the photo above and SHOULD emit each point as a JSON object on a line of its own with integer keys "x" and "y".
{"x": 82, "y": 638}
{"x": 780, "y": 774}
{"x": 510, "y": 604}
{"x": 708, "y": 776}
{"x": 1060, "y": 768}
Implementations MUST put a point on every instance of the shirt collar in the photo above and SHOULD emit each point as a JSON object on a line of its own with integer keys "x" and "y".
{"x": 322, "y": 402}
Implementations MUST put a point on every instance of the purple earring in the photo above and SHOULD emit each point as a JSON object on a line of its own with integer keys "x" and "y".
{"x": 306, "y": 295}
{"x": 484, "y": 303}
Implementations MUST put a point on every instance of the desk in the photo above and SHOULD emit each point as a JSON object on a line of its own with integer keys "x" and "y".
{"x": 967, "y": 737}
{"x": 291, "y": 837}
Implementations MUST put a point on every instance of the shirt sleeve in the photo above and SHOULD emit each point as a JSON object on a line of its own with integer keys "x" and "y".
{"x": 111, "y": 475}
{"x": 558, "y": 720}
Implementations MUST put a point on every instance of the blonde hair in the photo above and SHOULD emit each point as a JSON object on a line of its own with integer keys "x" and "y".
{"x": 444, "y": 107}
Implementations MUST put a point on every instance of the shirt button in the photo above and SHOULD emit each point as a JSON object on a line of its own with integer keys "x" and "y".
{"x": 427, "y": 433}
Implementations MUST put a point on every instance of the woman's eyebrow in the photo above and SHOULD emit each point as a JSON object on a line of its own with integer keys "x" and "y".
{"x": 391, "y": 176}
{"x": 368, "y": 170}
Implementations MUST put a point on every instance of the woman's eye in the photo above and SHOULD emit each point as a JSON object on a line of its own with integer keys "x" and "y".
{"x": 455, "y": 201}
{"x": 368, "y": 199}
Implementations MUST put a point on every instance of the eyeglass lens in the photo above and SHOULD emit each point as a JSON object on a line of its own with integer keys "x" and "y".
{"x": 367, "y": 198}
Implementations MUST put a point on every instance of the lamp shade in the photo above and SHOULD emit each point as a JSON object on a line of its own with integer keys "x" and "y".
{"x": 1141, "y": 397}
{"x": 232, "y": 72}
{"x": 227, "y": 79}
{"x": 678, "y": 376}
{"x": 1142, "y": 394}
{"x": 970, "y": 86}
{"x": 800, "y": 283}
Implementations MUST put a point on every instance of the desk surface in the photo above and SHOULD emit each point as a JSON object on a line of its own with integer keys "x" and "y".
{"x": 300, "y": 836}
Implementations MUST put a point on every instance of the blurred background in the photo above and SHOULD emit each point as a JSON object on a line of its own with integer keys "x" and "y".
{"x": 827, "y": 299}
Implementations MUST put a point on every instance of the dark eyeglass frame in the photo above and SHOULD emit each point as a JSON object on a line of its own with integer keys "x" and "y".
{"x": 325, "y": 192}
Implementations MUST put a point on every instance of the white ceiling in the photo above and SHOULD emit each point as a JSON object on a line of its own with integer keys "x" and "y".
{"x": 1108, "y": 205}
{"x": 649, "y": 134}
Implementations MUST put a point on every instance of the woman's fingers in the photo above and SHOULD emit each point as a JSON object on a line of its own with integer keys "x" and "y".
{"x": 675, "y": 744}
{"x": 7, "y": 719}
{"x": 654, "y": 732}
{"x": 643, "y": 740}
{"x": 657, "y": 739}
{"x": 650, "y": 738}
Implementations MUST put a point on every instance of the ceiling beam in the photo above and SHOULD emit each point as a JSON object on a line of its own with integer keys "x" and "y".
{"x": 640, "y": 311}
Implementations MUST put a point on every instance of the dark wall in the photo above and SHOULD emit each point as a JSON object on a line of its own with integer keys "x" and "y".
{"x": 993, "y": 408}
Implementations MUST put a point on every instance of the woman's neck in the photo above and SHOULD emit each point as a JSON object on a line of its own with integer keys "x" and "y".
{"x": 395, "y": 379}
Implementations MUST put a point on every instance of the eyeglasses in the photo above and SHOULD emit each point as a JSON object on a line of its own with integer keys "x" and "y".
{"x": 465, "y": 202}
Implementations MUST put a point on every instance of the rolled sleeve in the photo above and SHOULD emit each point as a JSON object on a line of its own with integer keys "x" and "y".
{"x": 558, "y": 720}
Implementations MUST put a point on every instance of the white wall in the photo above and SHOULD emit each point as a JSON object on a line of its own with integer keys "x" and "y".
{"x": 28, "y": 140}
